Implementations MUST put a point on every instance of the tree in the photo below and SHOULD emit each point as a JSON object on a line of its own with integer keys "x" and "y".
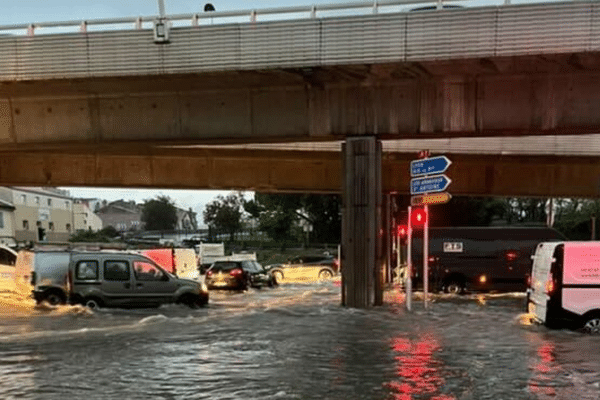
{"x": 574, "y": 218}
{"x": 325, "y": 214}
{"x": 159, "y": 214}
{"x": 279, "y": 215}
{"x": 225, "y": 214}
{"x": 104, "y": 235}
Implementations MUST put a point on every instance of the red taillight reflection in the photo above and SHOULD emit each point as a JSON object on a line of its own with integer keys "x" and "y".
{"x": 511, "y": 255}
{"x": 236, "y": 272}
{"x": 431, "y": 259}
{"x": 528, "y": 280}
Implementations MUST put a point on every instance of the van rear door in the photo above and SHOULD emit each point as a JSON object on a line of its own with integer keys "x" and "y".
{"x": 540, "y": 274}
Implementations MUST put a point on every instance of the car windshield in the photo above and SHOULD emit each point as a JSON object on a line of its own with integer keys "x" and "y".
{"x": 258, "y": 267}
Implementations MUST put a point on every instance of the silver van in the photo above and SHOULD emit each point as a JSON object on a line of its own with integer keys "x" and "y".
{"x": 564, "y": 288}
{"x": 105, "y": 279}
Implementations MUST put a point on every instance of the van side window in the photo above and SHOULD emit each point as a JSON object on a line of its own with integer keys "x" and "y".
{"x": 116, "y": 271}
{"x": 146, "y": 272}
{"x": 86, "y": 270}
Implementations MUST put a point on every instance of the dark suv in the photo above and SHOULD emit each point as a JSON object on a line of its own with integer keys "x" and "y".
{"x": 238, "y": 275}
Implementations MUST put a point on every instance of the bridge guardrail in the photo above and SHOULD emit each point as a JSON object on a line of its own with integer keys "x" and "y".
{"x": 250, "y": 15}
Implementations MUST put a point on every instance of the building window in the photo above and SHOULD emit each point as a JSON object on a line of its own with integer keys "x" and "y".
{"x": 1, "y": 220}
{"x": 25, "y": 224}
{"x": 23, "y": 199}
{"x": 37, "y": 200}
{"x": 51, "y": 225}
{"x": 84, "y": 222}
{"x": 67, "y": 205}
{"x": 69, "y": 228}
{"x": 49, "y": 202}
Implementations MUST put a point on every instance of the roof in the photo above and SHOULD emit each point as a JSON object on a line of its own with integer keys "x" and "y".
{"x": 43, "y": 191}
{"x": 6, "y": 205}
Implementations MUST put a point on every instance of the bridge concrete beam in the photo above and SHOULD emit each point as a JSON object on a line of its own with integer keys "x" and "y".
{"x": 290, "y": 171}
{"x": 291, "y": 108}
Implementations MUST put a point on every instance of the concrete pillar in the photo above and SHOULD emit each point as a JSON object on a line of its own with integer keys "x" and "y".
{"x": 361, "y": 223}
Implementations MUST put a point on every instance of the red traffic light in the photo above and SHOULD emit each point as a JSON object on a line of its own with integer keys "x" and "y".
{"x": 418, "y": 217}
{"x": 401, "y": 231}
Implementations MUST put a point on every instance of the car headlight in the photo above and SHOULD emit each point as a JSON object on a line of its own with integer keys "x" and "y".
{"x": 204, "y": 287}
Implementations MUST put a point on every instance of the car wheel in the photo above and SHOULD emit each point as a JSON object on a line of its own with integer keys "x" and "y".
{"x": 195, "y": 302}
{"x": 278, "y": 276}
{"x": 92, "y": 303}
{"x": 454, "y": 287}
{"x": 325, "y": 274}
{"x": 592, "y": 325}
{"x": 54, "y": 299}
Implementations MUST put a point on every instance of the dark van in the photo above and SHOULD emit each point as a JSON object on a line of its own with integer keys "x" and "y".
{"x": 479, "y": 258}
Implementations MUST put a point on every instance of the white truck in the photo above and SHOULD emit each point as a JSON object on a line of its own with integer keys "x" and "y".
{"x": 208, "y": 253}
{"x": 564, "y": 289}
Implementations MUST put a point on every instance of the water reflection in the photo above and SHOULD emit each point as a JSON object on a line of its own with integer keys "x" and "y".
{"x": 417, "y": 370}
{"x": 544, "y": 369}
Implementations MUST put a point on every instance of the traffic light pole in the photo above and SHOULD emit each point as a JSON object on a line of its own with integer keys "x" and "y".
{"x": 409, "y": 262}
{"x": 426, "y": 258}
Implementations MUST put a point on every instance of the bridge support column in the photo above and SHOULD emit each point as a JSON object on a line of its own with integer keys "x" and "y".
{"x": 362, "y": 285}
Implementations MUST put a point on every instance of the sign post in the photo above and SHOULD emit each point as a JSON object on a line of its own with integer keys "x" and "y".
{"x": 409, "y": 262}
{"x": 427, "y": 186}
{"x": 426, "y": 259}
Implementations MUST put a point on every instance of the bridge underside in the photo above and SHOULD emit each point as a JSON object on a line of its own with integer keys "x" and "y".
{"x": 136, "y": 166}
{"x": 509, "y": 96}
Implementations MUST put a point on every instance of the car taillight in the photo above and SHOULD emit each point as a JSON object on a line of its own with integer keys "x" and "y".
{"x": 528, "y": 280}
{"x": 431, "y": 259}
{"x": 236, "y": 272}
{"x": 209, "y": 273}
{"x": 511, "y": 255}
{"x": 550, "y": 286}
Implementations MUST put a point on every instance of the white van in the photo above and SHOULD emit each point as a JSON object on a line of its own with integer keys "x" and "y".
{"x": 564, "y": 288}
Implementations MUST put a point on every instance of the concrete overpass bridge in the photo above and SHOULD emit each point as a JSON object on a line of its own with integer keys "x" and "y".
{"x": 511, "y": 91}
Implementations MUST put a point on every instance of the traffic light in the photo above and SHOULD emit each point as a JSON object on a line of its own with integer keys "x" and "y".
{"x": 418, "y": 217}
{"x": 401, "y": 231}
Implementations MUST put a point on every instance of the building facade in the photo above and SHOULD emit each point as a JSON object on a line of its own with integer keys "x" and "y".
{"x": 7, "y": 223}
{"x": 122, "y": 215}
{"x": 40, "y": 214}
{"x": 84, "y": 218}
{"x": 186, "y": 220}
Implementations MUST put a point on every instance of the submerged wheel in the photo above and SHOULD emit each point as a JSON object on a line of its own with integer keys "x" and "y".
{"x": 278, "y": 276}
{"x": 92, "y": 303}
{"x": 454, "y": 287}
{"x": 592, "y": 325}
{"x": 325, "y": 274}
{"x": 54, "y": 298}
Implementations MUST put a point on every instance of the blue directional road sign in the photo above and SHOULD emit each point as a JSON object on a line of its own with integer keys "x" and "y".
{"x": 429, "y": 166}
{"x": 429, "y": 184}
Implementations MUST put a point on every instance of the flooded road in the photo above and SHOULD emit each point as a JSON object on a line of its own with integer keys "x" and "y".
{"x": 294, "y": 342}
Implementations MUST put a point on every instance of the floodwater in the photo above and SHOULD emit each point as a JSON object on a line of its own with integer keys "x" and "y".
{"x": 294, "y": 342}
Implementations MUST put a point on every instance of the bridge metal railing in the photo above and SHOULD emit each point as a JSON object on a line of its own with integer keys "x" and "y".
{"x": 468, "y": 32}
{"x": 248, "y": 15}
